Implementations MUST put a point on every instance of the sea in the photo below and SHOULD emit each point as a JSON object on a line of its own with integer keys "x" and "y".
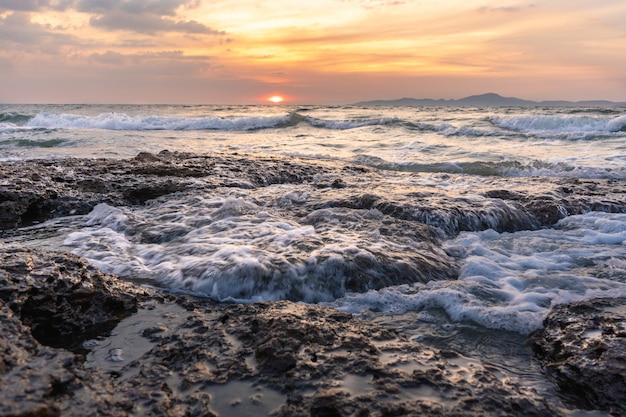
{"x": 507, "y": 281}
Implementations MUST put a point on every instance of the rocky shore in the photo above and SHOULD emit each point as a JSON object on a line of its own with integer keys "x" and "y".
{"x": 583, "y": 347}
{"x": 199, "y": 358}
{"x": 79, "y": 342}
{"x": 36, "y": 190}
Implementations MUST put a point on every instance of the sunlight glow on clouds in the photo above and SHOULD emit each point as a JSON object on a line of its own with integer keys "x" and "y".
{"x": 330, "y": 51}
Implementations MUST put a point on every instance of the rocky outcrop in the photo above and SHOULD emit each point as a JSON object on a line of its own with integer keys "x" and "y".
{"x": 33, "y": 191}
{"x": 61, "y": 307}
{"x": 49, "y": 300}
{"x": 583, "y": 345}
{"x": 76, "y": 341}
{"x": 180, "y": 356}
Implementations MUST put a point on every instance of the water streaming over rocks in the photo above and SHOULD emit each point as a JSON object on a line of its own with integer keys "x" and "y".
{"x": 322, "y": 261}
{"x": 203, "y": 358}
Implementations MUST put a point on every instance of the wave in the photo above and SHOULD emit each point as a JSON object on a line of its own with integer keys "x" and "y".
{"x": 10, "y": 128}
{"x": 14, "y": 118}
{"x": 352, "y": 124}
{"x": 537, "y": 126}
{"x": 29, "y": 143}
{"x": 498, "y": 169}
{"x": 121, "y": 121}
{"x": 571, "y": 126}
{"x": 511, "y": 280}
{"x": 232, "y": 249}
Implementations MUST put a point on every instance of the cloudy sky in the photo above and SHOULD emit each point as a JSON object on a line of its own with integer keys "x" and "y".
{"x": 315, "y": 51}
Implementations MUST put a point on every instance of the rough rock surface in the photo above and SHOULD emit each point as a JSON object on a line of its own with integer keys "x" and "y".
{"x": 32, "y": 191}
{"x": 180, "y": 356}
{"x": 76, "y": 341}
{"x": 59, "y": 307}
{"x": 52, "y": 300}
{"x": 584, "y": 346}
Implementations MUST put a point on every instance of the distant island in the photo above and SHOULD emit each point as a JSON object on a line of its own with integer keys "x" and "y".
{"x": 490, "y": 99}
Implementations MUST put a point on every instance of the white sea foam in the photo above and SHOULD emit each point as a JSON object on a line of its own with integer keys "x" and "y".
{"x": 566, "y": 126}
{"x": 229, "y": 248}
{"x": 351, "y": 124}
{"x": 119, "y": 121}
{"x": 10, "y": 128}
{"x": 7, "y": 128}
{"x": 511, "y": 280}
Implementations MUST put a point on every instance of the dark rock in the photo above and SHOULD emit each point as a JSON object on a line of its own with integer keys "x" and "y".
{"x": 60, "y": 297}
{"x": 143, "y": 193}
{"x": 584, "y": 346}
{"x": 146, "y": 157}
{"x": 185, "y": 355}
{"x": 33, "y": 191}
{"x": 204, "y": 358}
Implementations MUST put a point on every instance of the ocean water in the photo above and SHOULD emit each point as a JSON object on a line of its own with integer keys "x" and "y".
{"x": 581, "y": 142}
{"x": 245, "y": 245}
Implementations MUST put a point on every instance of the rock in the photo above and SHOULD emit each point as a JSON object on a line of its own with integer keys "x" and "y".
{"x": 583, "y": 344}
{"x": 60, "y": 297}
{"x": 179, "y": 355}
{"x": 76, "y": 341}
{"x": 39, "y": 380}
{"x": 37, "y": 190}
{"x": 146, "y": 157}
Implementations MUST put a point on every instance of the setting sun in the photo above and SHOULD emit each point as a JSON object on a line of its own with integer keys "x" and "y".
{"x": 276, "y": 99}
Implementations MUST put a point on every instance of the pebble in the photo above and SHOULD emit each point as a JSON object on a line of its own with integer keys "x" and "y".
{"x": 90, "y": 344}
{"x": 115, "y": 355}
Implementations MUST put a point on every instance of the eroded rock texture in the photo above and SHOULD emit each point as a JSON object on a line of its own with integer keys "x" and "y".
{"x": 584, "y": 346}
{"x": 32, "y": 191}
{"x": 177, "y": 356}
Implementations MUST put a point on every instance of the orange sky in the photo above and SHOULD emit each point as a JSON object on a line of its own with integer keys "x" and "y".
{"x": 323, "y": 51}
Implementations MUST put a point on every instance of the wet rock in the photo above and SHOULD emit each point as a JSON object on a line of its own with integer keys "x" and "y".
{"x": 583, "y": 344}
{"x": 179, "y": 355}
{"x": 36, "y": 379}
{"x": 33, "y": 191}
{"x": 60, "y": 297}
{"x": 189, "y": 356}
{"x": 146, "y": 157}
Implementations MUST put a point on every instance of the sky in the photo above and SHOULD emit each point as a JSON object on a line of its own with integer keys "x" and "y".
{"x": 309, "y": 52}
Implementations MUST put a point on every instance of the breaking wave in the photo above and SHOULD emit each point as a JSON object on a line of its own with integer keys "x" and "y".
{"x": 511, "y": 280}
{"x": 495, "y": 169}
{"x": 14, "y": 118}
{"x": 569, "y": 126}
{"x": 29, "y": 143}
{"x": 120, "y": 121}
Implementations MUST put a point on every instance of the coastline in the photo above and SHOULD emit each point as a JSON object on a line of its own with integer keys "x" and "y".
{"x": 292, "y": 358}
{"x": 175, "y": 355}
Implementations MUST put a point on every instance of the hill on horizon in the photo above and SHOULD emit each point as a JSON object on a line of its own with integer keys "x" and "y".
{"x": 489, "y": 99}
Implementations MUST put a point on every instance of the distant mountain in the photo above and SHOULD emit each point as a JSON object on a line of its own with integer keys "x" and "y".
{"x": 490, "y": 99}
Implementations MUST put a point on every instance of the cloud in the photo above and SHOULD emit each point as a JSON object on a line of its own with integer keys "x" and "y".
{"x": 6, "y": 65}
{"x": 16, "y": 28}
{"x": 148, "y": 24}
{"x": 372, "y": 4}
{"x": 505, "y": 9}
{"x": 34, "y": 5}
{"x": 173, "y": 65}
{"x": 139, "y": 7}
{"x": 140, "y": 16}
{"x": 143, "y": 16}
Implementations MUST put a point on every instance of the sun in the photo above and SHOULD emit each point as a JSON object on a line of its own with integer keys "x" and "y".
{"x": 276, "y": 99}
